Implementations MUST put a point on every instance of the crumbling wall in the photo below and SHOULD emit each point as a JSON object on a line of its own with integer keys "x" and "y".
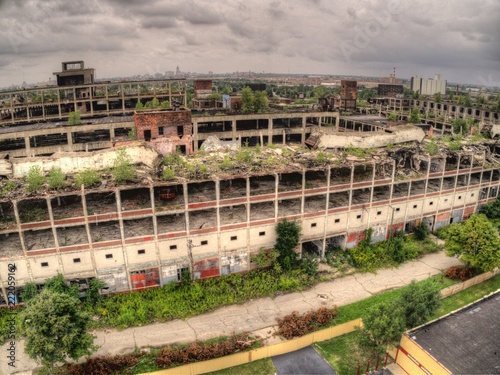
{"x": 400, "y": 134}
{"x": 73, "y": 162}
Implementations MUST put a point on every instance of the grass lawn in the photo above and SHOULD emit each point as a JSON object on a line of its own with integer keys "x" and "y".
{"x": 260, "y": 367}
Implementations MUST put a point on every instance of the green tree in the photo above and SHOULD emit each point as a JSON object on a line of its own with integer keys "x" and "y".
{"x": 247, "y": 100}
{"x": 260, "y": 102}
{"x": 385, "y": 323}
{"x": 460, "y": 126}
{"x": 437, "y": 97}
{"x": 415, "y": 116}
{"x": 288, "y": 235}
{"x": 419, "y": 302}
{"x": 123, "y": 170}
{"x": 35, "y": 178}
{"x": 139, "y": 106}
{"x": 58, "y": 284}
{"x": 422, "y": 231}
{"x": 29, "y": 292}
{"x": 491, "y": 210}
{"x": 56, "y": 178}
{"x": 55, "y": 327}
{"x": 74, "y": 118}
{"x": 93, "y": 296}
{"x": 475, "y": 241}
{"x": 392, "y": 116}
{"x": 467, "y": 101}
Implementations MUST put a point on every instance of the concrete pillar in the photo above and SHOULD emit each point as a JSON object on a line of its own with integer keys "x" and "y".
{"x": 276, "y": 183}
{"x": 122, "y": 232}
{"x": 27, "y": 145}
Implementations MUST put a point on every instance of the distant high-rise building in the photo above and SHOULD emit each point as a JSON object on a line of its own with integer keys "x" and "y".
{"x": 429, "y": 86}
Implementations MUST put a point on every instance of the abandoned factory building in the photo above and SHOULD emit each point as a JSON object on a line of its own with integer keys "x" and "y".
{"x": 211, "y": 217}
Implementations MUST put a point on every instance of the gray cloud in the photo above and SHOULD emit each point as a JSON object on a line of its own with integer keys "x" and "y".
{"x": 125, "y": 37}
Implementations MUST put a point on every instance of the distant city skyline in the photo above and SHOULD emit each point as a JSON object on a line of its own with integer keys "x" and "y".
{"x": 365, "y": 38}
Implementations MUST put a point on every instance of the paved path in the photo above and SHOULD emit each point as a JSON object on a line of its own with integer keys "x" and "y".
{"x": 255, "y": 314}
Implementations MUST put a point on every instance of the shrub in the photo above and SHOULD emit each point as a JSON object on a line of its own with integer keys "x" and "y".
{"x": 87, "y": 178}
{"x": 168, "y": 174}
{"x": 123, "y": 170}
{"x": 422, "y": 231}
{"x": 7, "y": 187}
{"x": 56, "y": 178}
{"x": 35, "y": 178}
{"x": 265, "y": 258}
{"x": 459, "y": 273}
{"x": 431, "y": 148}
{"x": 132, "y": 134}
{"x": 296, "y": 325}
{"x": 199, "y": 351}
{"x": 74, "y": 118}
{"x": 101, "y": 365}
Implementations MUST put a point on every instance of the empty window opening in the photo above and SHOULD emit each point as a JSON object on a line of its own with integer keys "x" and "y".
{"x": 142, "y": 251}
{"x": 204, "y": 242}
{"x": 262, "y": 234}
{"x": 44, "y": 264}
{"x": 398, "y": 209}
{"x": 337, "y": 220}
{"x": 76, "y": 260}
{"x": 415, "y": 206}
{"x": 358, "y": 216}
{"x": 431, "y": 203}
{"x": 234, "y": 238}
{"x": 313, "y": 225}
{"x": 109, "y": 256}
{"x": 173, "y": 247}
{"x": 379, "y": 213}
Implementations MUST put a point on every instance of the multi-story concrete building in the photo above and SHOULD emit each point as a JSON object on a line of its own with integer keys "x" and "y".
{"x": 148, "y": 233}
{"x": 428, "y": 86}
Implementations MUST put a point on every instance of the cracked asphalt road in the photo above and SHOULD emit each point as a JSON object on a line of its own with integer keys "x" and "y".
{"x": 255, "y": 314}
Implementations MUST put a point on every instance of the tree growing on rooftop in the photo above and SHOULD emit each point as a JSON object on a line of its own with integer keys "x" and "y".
{"x": 123, "y": 170}
{"x": 415, "y": 116}
{"x": 56, "y": 178}
{"x": 35, "y": 178}
{"x": 74, "y": 118}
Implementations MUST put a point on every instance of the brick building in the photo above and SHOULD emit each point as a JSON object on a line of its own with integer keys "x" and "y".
{"x": 167, "y": 129}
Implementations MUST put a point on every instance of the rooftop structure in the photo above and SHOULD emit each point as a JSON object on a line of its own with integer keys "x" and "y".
{"x": 77, "y": 91}
{"x": 463, "y": 342}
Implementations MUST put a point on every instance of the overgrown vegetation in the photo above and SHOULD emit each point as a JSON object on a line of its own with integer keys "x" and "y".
{"x": 296, "y": 325}
{"x": 74, "y": 118}
{"x": 431, "y": 148}
{"x": 123, "y": 170}
{"x": 156, "y": 359}
{"x": 398, "y": 249}
{"x": 56, "y": 178}
{"x": 35, "y": 178}
{"x": 87, "y": 177}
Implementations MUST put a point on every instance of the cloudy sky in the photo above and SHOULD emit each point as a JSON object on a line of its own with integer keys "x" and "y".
{"x": 459, "y": 39}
